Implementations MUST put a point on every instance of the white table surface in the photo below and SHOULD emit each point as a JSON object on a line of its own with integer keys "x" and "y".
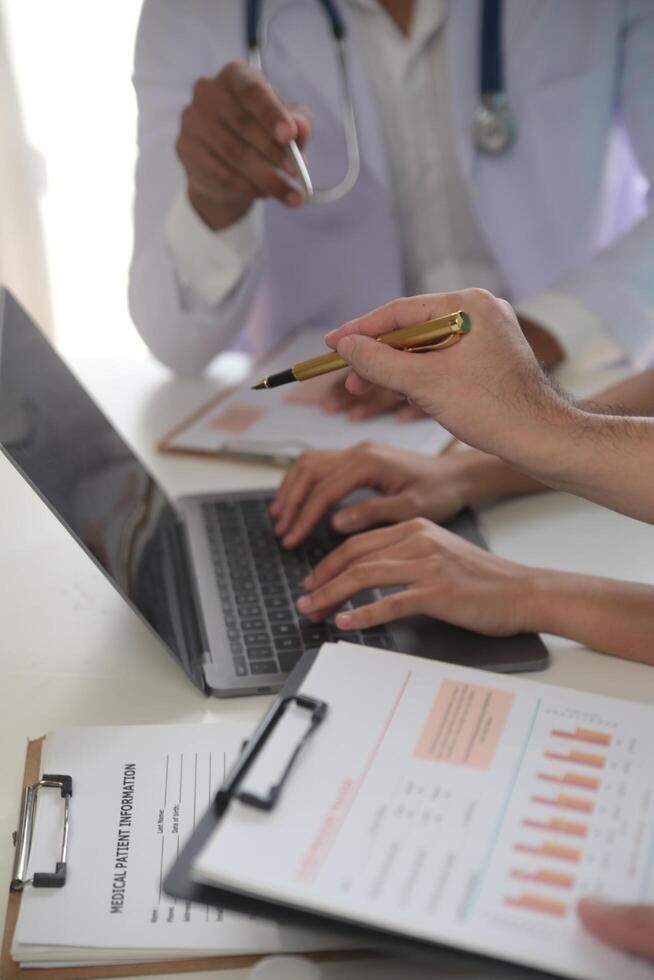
{"x": 72, "y": 652}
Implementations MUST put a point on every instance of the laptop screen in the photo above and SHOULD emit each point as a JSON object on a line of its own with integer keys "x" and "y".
{"x": 59, "y": 439}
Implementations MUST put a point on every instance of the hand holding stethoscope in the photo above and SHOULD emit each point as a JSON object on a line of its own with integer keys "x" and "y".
{"x": 238, "y": 141}
{"x": 233, "y": 144}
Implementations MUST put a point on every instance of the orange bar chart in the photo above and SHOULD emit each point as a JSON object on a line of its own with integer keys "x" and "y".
{"x": 584, "y": 735}
{"x": 572, "y": 779}
{"x": 565, "y": 802}
{"x": 580, "y": 758}
{"x": 551, "y": 850}
{"x": 545, "y": 876}
{"x": 557, "y": 825}
{"x": 537, "y": 903}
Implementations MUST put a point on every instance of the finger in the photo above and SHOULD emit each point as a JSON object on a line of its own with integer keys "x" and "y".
{"x": 324, "y": 494}
{"x": 245, "y": 160}
{"x": 232, "y": 114}
{"x": 410, "y": 602}
{"x": 363, "y": 575}
{"x": 376, "y": 402}
{"x": 356, "y": 385}
{"x": 277, "y": 503}
{"x": 351, "y": 551}
{"x": 210, "y": 175}
{"x": 395, "y": 370}
{"x": 409, "y": 413}
{"x": 258, "y": 99}
{"x": 410, "y": 548}
{"x": 295, "y": 485}
{"x": 373, "y": 510}
{"x": 629, "y": 927}
{"x": 403, "y": 312}
{"x": 338, "y": 398}
{"x": 304, "y": 122}
{"x": 281, "y": 494}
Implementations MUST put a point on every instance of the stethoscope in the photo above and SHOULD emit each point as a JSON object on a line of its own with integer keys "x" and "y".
{"x": 255, "y": 43}
{"x": 493, "y": 125}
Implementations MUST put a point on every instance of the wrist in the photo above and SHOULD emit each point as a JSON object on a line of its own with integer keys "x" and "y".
{"x": 557, "y": 602}
{"x": 476, "y": 476}
{"x": 482, "y": 477}
{"x": 218, "y": 215}
{"x": 546, "y": 444}
{"x": 542, "y": 596}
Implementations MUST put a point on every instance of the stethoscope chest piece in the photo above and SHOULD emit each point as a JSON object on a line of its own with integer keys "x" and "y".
{"x": 494, "y": 127}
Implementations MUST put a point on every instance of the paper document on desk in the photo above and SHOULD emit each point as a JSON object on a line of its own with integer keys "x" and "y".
{"x": 137, "y": 794}
{"x": 454, "y": 806}
{"x": 281, "y": 423}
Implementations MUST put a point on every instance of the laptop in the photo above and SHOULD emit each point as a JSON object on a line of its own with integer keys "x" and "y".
{"x": 205, "y": 572}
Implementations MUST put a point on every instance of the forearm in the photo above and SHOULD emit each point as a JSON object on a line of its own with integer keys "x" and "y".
{"x": 633, "y": 396}
{"x": 605, "y": 458}
{"x": 607, "y": 615}
{"x": 485, "y": 477}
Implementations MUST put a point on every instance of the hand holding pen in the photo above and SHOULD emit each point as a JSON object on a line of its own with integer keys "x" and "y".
{"x": 435, "y": 334}
{"x": 489, "y": 391}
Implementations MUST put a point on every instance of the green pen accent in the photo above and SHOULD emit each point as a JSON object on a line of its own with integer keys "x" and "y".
{"x": 466, "y": 326}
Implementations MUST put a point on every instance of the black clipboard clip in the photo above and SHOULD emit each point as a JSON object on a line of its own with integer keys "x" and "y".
{"x": 23, "y": 836}
{"x": 318, "y": 711}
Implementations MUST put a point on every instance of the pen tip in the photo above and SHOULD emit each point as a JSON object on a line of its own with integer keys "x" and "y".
{"x": 258, "y": 386}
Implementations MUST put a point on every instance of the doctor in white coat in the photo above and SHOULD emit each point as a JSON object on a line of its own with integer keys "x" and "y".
{"x": 559, "y": 223}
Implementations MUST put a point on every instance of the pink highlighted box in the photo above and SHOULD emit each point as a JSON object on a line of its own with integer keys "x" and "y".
{"x": 465, "y": 725}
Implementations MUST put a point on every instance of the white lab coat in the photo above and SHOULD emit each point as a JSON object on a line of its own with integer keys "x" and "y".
{"x": 564, "y": 208}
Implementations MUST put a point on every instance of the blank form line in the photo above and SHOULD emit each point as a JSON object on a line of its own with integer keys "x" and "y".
{"x": 161, "y": 869}
{"x": 181, "y": 776}
{"x": 209, "y": 803}
{"x": 195, "y": 788}
{"x": 166, "y": 782}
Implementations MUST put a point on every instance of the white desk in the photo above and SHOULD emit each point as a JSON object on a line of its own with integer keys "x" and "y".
{"x": 72, "y": 653}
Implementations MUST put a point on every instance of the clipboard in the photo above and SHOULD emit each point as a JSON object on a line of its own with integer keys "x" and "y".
{"x": 11, "y": 970}
{"x": 180, "y": 884}
{"x": 282, "y": 449}
{"x": 232, "y": 449}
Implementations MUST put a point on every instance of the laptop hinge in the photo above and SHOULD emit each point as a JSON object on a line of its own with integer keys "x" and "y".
{"x": 181, "y": 597}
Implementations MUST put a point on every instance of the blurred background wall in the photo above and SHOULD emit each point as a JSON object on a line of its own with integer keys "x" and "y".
{"x": 67, "y": 153}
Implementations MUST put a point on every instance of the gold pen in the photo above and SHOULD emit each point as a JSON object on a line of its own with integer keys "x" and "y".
{"x": 432, "y": 335}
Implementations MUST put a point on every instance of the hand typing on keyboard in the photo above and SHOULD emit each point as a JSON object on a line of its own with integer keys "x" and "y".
{"x": 443, "y": 576}
{"x": 259, "y": 583}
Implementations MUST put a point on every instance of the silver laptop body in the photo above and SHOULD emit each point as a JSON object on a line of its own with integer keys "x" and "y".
{"x": 204, "y": 572}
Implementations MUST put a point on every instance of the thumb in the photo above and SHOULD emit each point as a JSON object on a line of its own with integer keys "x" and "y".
{"x": 378, "y": 363}
{"x": 373, "y": 510}
{"x": 629, "y": 927}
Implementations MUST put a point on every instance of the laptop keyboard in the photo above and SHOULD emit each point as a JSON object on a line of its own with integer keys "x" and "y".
{"x": 258, "y": 583}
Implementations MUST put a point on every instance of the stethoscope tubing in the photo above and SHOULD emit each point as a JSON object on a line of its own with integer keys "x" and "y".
{"x": 494, "y": 126}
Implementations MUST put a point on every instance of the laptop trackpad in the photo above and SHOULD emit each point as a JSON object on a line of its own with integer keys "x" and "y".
{"x": 434, "y": 640}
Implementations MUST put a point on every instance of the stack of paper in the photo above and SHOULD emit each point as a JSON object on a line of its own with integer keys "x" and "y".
{"x": 283, "y": 422}
{"x": 137, "y": 794}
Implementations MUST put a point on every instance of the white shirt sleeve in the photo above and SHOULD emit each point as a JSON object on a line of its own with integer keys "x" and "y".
{"x": 579, "y": 331}
{"x": 211, "y": 263}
